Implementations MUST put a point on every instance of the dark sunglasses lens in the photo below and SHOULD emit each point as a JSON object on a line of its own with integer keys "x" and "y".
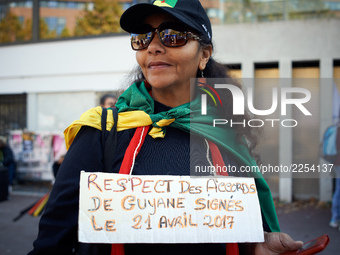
{"x": 140, "y": 41}
{"x": 141, "y": 37}
{"x": 173, "y": 34}
{"x": 173, "y": 38}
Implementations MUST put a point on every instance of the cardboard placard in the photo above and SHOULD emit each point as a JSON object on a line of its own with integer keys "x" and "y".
{"x": 116, "y": 208}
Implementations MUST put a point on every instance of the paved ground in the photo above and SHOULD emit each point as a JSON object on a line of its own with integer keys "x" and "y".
{"x": 303, "y": 221}
{"x": 17, "y": 237}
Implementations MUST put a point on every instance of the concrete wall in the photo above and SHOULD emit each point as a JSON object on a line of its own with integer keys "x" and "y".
{"x": 55, "y": 111}
{"x": 278, "y": 41}
{"x": 76, "y": 65}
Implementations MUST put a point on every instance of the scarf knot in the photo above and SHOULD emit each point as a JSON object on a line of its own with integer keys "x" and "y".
{"x": 163, "y": 119}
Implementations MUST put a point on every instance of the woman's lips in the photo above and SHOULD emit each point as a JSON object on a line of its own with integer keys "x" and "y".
{"x": 158, "y": 65}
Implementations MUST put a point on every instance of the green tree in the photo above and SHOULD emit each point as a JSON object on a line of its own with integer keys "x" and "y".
{"x": 25, "y": 34}
{"x": 103, "y": 19}
{"x": 10, "y": 27}
{"x": 65, "y": 33}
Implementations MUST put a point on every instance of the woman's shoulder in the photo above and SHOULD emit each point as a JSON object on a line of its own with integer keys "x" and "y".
{"x": 90, "y": 118}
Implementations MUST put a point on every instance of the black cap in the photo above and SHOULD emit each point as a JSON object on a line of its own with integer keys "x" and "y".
{"x": 190, "y": 12}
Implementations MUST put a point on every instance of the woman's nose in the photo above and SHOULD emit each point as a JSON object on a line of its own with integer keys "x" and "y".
{"x": 156, "y": 45}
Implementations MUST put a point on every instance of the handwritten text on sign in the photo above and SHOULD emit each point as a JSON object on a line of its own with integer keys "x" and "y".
{"x": 116, "y": 208}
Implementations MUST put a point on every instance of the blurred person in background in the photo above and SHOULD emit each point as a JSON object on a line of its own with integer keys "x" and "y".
{"x": 60, "y": 152}
{"x": 161, "y": 108}
{"x": 56, "y": 165}
{"x": 108, "y": 101}
{"x": 7, "y": 159}
{"x": 335, "y": 220}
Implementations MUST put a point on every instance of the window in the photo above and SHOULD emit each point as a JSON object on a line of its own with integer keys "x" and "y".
{"x": 64, "y": 5}
{"x": 267, "y": 70}
{"x": 334, "y": 6}
{"x": 57, "y": 19}
{"x": 68, "y": 18}
{"x": 12, "y": 113}
{"x": 56, "y": 24}
{"x": 235, "y": 70}
{"x": 71, "y": 5}
{"x": 52, "y": 4}
{"x": 81, "y": 6}
{"x": 15, "y": 21}
{"x": 306, "y": 69}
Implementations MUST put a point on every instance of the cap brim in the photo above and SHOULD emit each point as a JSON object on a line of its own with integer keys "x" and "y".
{"x": 136, "y": 14}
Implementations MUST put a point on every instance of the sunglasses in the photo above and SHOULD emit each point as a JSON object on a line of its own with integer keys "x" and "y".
{"x": 171, "y": 34}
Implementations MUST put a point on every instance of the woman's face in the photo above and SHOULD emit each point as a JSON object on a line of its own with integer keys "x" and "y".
{"x": 168, "y": 70}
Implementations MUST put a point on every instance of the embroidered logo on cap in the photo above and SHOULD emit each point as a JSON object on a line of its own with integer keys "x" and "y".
{"x": 206, "y": 30}
{"x": 165, "y": 3}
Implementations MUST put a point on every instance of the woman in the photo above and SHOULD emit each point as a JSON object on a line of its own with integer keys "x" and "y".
{"x": 172, "y": 40}
{"x": 335, "y": 219}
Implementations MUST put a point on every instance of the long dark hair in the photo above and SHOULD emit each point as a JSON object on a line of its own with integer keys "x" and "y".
{"x": 245, "y": 134}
